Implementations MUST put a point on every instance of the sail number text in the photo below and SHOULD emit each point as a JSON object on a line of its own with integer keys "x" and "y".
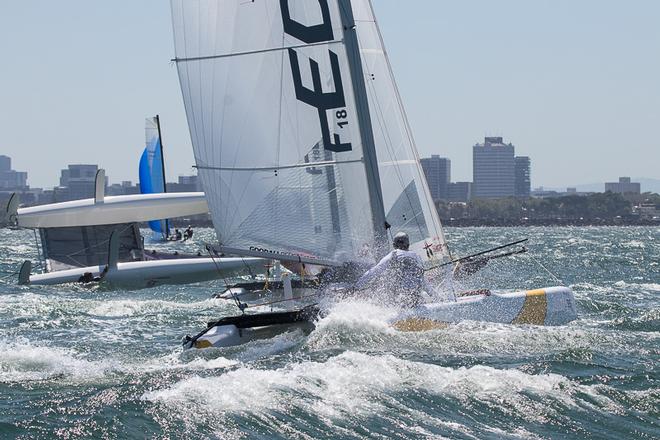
{"x": 315, "y": 97}
{"x": 341, "y": 114}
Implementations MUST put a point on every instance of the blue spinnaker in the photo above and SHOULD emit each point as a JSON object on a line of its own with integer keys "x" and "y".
{"x": 152, "y": 179}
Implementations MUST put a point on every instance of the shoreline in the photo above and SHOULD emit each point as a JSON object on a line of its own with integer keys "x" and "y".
{"x": 459, "y": 223}
{"x": 467, "y": 223}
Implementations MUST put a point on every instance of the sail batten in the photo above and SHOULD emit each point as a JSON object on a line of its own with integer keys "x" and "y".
{"x": 254, "y": 52}
{"x": 280, "y": 167}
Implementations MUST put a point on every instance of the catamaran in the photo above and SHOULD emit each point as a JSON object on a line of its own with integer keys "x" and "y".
{"x": 306, "y": 156}
{"x": 98, "y": 239}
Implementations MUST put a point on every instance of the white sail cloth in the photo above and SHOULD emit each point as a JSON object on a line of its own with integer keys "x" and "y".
{"x": 273, "y": 116}
{"x": 408, "y": 203}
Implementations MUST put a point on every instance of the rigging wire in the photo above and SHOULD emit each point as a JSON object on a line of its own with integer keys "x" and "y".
{"x": 241, "y": 306}
{"x": 559, "y": 280}
{"x": 4, "y": 277}
{"x": 282, "y": 300}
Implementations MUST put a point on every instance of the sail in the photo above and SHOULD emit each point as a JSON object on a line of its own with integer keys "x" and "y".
{"x": 408, "y": 203}
{"x": 152, "y": 176}
{"x": 276, "y": 126}
{"x": 81, "y": 246}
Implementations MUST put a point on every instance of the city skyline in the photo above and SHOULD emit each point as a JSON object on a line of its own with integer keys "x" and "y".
{"x": 79, "y": 85}
{"x": 522, "y": 176}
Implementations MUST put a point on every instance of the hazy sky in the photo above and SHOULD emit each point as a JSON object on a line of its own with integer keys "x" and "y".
{"x": 573, "y": 84}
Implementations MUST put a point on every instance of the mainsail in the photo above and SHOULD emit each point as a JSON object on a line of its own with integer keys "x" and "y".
{"x": 152, "y": 169}
{"x": 290, "y": 140}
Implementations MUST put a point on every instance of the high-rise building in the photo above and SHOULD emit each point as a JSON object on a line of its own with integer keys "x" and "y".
{"x": 10, "y": 179}
{"x": 438, "y": 175}
{"x": 623, "y": 186}
{"x": 493, "y": 168}
{"x": 5, "y": 163}
{"x": 523, "y": 182}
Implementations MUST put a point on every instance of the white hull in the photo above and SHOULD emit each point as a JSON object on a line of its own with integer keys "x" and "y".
{"x": 113, "y": 210}
{"x": 231, "y": 336}
{"x": 140, "y": 274}
{"x": 548, "y": 306}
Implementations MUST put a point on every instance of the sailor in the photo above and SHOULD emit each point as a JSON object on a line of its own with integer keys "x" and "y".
{"x": 401, "y": 272}
{"x": 87, "y": 277}
{"x": 188, "y": 233}
{"x": 177, "y": 235}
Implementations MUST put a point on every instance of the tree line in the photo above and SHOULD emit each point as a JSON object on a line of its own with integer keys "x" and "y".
{"x": 595, "y": 206}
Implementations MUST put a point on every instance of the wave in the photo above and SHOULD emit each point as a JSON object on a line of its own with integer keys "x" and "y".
{"x": 352, "y": 386}
{"x": 365, "y": 327}
{"x": 130, "y": 307}
{"x": 21, "y": 362}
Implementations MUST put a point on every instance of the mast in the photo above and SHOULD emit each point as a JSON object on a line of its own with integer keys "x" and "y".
{"x": 162, "y": 164}
{"x": 366, "y": 129}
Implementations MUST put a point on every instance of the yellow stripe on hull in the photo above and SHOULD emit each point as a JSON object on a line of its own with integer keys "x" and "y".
{"x": 203, "y": 343}
{"x": 419, "y": 325}
{"x": 534, "y": 308}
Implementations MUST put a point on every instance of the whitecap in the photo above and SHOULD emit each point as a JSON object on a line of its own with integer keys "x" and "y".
{"x": 355, "y": 385}
{"x": 21, "y": 361}
{"x": 129, "y": 307}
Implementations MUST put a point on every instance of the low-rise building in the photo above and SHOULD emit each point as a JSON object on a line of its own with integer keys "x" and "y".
{"x": 647, "y": 211}
{"x": 460, "y": 192}
{"x": 185, "y": 184}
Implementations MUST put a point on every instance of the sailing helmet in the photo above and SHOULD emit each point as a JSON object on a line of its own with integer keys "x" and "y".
{"x": 401, "y": 241}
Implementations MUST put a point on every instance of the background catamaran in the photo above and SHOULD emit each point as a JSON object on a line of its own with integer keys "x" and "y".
{"x": 303, "y": 146}
{"x": 98, "y": 239}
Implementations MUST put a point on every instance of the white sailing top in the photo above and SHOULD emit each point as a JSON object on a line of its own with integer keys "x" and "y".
{"x": 385, "y": 263}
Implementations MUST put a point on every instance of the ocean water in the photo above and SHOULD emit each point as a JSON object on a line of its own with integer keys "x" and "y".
{"x": 78, "y": 362}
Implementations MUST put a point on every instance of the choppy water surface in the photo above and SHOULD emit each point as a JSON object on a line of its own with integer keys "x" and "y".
{"x": 90, "y": 363}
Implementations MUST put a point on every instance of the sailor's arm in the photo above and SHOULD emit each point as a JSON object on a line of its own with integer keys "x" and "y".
{"x": 374, "y": 272}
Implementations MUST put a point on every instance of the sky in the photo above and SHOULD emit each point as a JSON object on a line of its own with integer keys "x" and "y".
{"x": 575, "y": 85}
